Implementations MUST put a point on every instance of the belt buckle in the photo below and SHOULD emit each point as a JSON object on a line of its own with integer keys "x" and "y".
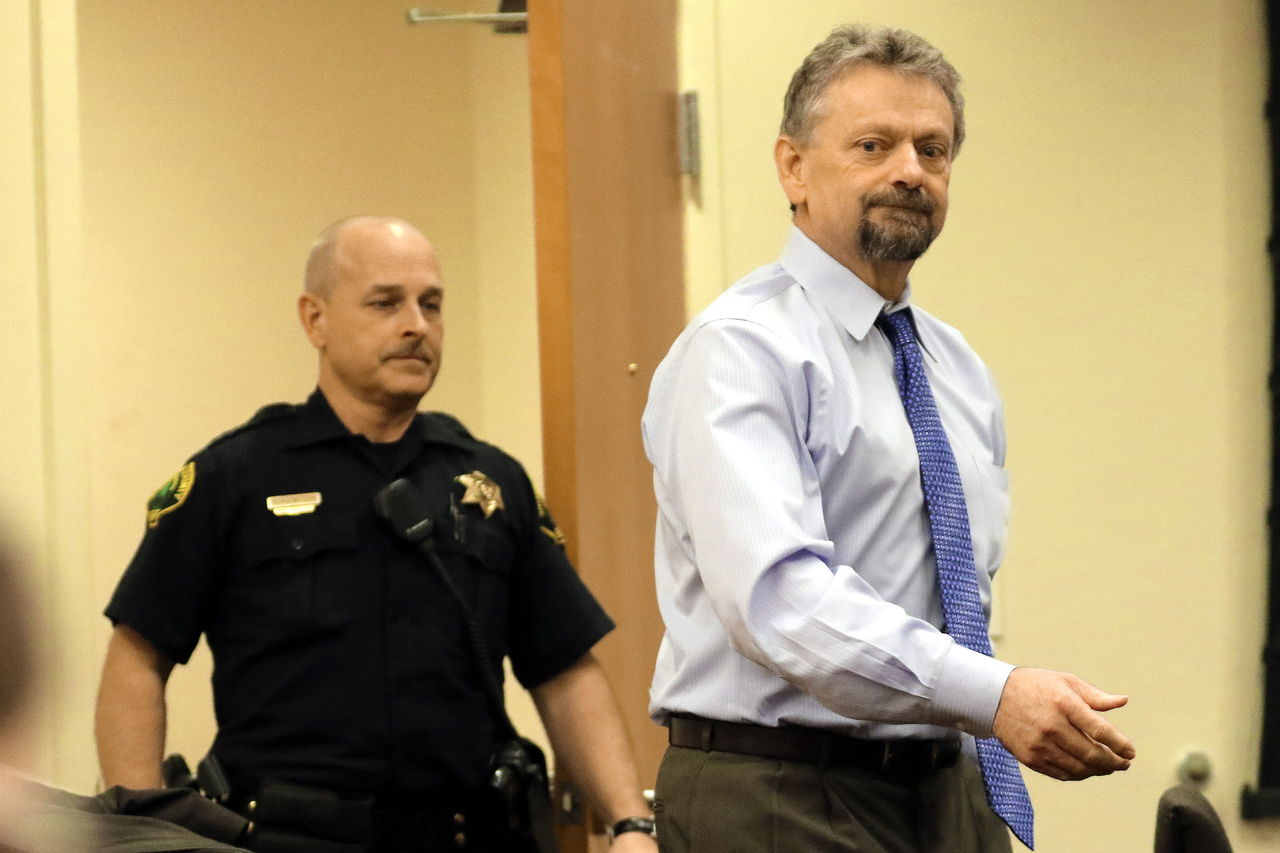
{"x": 886, "y": 757}
{"x": 935, "y": 755}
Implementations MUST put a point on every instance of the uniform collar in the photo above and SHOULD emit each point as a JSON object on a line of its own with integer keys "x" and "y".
{"x": 848, "y": 299}
{"x": 317, "y": 423}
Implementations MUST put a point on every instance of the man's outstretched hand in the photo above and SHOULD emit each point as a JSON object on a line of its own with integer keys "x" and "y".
{"x": 1050, "y": 721}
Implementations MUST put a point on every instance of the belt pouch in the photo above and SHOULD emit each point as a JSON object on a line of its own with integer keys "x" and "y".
{"x": 312, "y": 816}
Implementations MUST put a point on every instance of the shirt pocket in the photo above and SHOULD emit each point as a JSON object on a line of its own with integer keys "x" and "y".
{"x": 987, "y": 496}
{"x": 298, "y": 577}
{"x": 482, "y": 570}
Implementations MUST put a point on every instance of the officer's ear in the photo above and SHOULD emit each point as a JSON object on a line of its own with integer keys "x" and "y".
{"x": 312, "y": 315}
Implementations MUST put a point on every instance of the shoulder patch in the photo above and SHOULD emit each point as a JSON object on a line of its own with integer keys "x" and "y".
{"x": 546, "y": 523}
{"x": 171, "y": 495}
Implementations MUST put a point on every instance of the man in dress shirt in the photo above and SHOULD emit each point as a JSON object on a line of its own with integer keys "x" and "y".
{"x": 814, "y": 699}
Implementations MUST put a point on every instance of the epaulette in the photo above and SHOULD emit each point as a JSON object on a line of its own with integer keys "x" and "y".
{"x": 450, "y": 424}
{"x": 267, "y": 414}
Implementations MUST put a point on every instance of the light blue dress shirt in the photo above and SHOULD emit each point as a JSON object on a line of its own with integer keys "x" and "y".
{"x": 795, "y": 571}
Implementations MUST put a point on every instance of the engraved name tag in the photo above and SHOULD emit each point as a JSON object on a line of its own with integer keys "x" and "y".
{"x": 299, "y": 504}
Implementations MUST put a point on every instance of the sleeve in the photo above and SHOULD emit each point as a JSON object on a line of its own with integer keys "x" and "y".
{"x": 166, "y": 593}
{"x": 555, "y": 619}
{"x": 736, "y": 476}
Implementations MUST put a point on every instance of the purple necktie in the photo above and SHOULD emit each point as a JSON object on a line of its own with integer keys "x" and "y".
{"x": 957, "y": 577}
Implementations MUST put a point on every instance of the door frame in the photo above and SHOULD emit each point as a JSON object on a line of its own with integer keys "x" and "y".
{"x": 608, "y": 210}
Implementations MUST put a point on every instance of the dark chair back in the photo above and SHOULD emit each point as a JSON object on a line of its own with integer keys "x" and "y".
{"x": 1187, "y": 823}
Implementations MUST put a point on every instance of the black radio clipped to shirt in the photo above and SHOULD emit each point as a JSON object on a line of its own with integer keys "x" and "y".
{"x": 518, "y": 768}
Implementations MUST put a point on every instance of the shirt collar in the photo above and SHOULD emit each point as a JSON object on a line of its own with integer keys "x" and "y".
{"x": 850, "y": 300}
{"x": 318, "y": 423}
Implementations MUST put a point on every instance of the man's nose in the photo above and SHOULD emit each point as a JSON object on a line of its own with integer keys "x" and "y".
{"x": 414, "y": 320}
{"x": 907, "y": 172}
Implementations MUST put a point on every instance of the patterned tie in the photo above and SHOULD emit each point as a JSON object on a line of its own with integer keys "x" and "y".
{"x": 957, "y": 577}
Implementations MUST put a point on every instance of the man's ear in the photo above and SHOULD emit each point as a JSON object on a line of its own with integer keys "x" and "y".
{"x": 311, "y": 313}
{"x": 790, "y": 161}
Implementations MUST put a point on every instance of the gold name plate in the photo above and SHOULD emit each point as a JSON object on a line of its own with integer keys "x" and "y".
{"x": 299, "y": 504}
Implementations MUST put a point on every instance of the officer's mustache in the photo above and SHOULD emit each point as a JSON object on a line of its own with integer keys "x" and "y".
{"x": 414, "y": 349}
{"x": 906, "y": 199}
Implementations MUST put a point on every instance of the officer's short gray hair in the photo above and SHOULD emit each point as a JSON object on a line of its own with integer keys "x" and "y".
{"x": 322, "y": 261}
{"x": 859, "y": 44}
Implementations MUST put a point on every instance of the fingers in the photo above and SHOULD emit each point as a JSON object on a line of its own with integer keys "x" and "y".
{"x": 1098, "y": 758}
{"x": 1053, "y": 761}
{"x": 1067, "y": 754}
{"x": 1051, "y": 722}
{"x": 1103, "y": 733}
{"x": 1079, "y": 755}
{"x": 1094, "y": 726}
{"x": 1063, "y": 752}
{"x": 1092, "y": 740}
{"x": 1057, "y": 763}
{"x": 1098, "y": 700}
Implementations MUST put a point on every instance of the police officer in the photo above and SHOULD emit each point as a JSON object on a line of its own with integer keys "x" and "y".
{"x": 343, "y": 668}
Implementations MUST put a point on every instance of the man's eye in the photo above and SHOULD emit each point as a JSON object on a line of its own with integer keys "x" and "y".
{"x": 870, "y": 146}
{"x": 932, "y": 151}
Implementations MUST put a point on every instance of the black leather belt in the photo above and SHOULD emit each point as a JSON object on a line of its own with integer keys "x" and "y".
{"x": 899, "y": 758}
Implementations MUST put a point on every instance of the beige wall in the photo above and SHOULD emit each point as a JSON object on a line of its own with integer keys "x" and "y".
{"x": 42, "y": 496}
{"x": 1106, "y": 255}
{"x": 183, "y": 157}
{"x": 22, "y": 491}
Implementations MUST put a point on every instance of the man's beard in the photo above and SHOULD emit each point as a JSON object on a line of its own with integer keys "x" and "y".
{"x": 904, "y": 237}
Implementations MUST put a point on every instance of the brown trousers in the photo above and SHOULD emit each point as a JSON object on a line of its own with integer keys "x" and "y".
{"x": 720, "y": 802}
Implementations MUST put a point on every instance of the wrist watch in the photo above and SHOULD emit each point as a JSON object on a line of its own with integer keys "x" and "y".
{"x": 633, "y": 824}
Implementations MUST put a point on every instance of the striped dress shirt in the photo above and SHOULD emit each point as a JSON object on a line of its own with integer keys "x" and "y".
{"x": 795, "y": 571}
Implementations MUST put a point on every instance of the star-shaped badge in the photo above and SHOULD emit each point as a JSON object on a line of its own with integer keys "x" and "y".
{"x": 481, "y": 491}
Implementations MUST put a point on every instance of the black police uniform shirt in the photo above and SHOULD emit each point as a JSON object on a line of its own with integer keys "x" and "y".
{"x": 340, "y": 658}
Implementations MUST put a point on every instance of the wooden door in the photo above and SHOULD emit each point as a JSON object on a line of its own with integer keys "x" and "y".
{"x": 609, "y": 232}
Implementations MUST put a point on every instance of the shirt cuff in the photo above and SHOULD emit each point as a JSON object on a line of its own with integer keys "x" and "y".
{"x": 968, "y": 693}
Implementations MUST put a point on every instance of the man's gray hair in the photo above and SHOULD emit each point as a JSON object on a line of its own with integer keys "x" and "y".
{"x": 859, "y": 44}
